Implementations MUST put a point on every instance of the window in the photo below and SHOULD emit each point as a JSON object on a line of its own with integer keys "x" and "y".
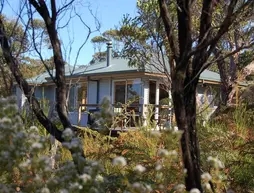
{"x": 70, "y": 96}
{"x": 207, "y": 95}
{"x": 120, "y": 92}
{"x": 77, "y": 97}
{"x": 82, "y": 93}
{"x": 127, "y": 90}
{"x": 133, "y": 91}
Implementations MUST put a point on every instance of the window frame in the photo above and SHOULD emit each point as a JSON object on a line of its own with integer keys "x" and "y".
{"x": 126, "y": 88}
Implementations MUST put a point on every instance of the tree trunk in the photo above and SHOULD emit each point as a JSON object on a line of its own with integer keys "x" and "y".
{"x": 228, "y": 75}
{"x": 77, "y": 155}
{"x": 61, "y": 96}
{"x": 226, "y": 85}
{"x": 185, "y": 110}
{"x": 13, "y": 66}
{"x": 50, "y": 22}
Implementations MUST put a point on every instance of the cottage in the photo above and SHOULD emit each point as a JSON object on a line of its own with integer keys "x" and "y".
{"x": 117, "y": 81}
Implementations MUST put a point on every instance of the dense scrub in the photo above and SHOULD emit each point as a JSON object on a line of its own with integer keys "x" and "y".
{"x": 230, "y": 137}
{"x": 141, "y": 160}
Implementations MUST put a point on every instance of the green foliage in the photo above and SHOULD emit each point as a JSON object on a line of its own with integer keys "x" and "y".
{"x": 104, "y": 117}
{"x": 136, "y": 34}
{"x": 230, "y": 138}
{"x": 144, "y": 37}
{"x": 27, "y": 167}
{"x": 247, "y": 96}
{"x": 245, "y": 58}
{"x": 143, "y": 160}
{"x": 37, "y": 24}
{"x": 112, "y": 35}
{"x": 149, "y": 149}
{"x": 20, "y": 43}
{"x": 15, "y": 33}
{"x": 99, "y": 39}
{"x": 99, "y": 57}
{"x": 20, "y": 148}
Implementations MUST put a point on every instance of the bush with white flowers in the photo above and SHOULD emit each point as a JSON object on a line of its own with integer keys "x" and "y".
{"x": 25, "y": 167}
{"x": 136, "y": 162}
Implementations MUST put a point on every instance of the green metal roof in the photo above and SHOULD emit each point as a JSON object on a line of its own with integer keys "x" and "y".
{"x": 210, "y": 75}
{"x": 42, "y": 78}
{"x": 117, "y": 65}
{"x": 39, "y": 79}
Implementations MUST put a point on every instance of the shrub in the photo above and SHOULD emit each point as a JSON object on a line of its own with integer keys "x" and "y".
{"x": 230, "y": 139}
{"x": 141, "y": 160}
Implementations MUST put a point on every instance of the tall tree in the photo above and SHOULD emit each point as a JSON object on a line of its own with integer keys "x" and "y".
{"x": 50, "y": 13}
{"x": 143, "y": 40}
{"x": 231, "y": 68}
{"x": 18, "y": 47}
{"x": 99, "y": 43}
{"x": 99, "y": 55}
{"x": 189, "y": 56}
{"x": 179, "y": 38}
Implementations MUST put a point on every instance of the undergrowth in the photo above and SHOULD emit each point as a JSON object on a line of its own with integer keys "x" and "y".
{"x": 142, "y": 160}
{"x": 230, "y": 138}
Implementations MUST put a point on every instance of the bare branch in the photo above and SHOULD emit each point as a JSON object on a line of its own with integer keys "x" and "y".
{"x": 164, "y": 14}
{"x": 13, "y": 65}
{"x": 58, "y": 61}
{"x": 207, "y": 64}
{"x": 227, "y": 22}
{"x": 64, "y": 7}
{"x": 88, "y": 35}
{"x": 25, "y": 32}
{"x": 35, "y": 46}
{"x": 69, "y": 45}
{"x": 67, "y": 22}
{"x": 1, "y": 6}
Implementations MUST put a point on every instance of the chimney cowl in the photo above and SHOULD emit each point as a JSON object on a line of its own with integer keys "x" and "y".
{"x": 109, "y": 44}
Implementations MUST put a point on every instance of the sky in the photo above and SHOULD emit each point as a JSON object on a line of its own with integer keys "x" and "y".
{"x": 108, "y": 13}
